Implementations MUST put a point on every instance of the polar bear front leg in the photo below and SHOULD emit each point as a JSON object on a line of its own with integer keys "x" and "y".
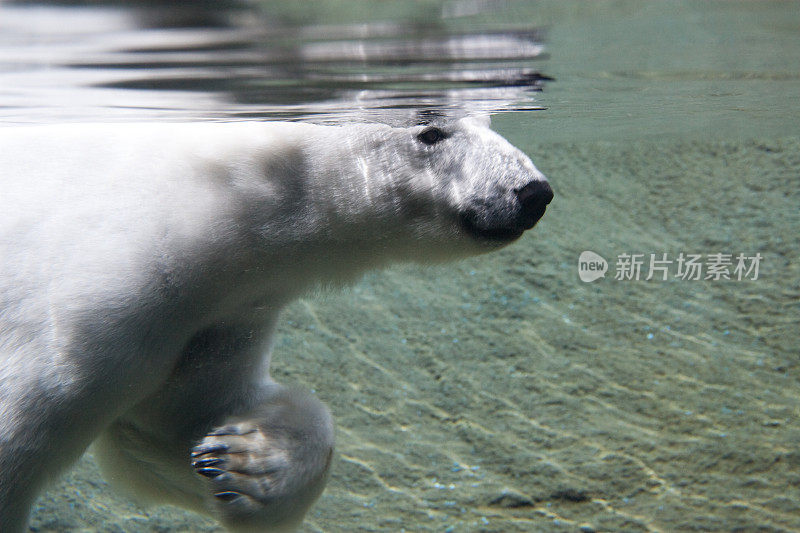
{"x": 265, "y": 468}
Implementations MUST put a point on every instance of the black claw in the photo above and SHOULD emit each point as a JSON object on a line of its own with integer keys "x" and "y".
{"x": 210, "y": 472}
{"x": 227, "y": 496}
{"x": 229, "y": 430}
{"x": 221, "y": 432}
{"x": 203, "y": 449}
{"x": 208, "y": 461}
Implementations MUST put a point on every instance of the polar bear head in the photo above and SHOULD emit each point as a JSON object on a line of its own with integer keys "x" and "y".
{"x": 437, "y": 191}
{"x": 339, "y": 200}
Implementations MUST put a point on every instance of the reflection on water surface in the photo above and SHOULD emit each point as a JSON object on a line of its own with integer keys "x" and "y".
{"x": 223, "y": 61}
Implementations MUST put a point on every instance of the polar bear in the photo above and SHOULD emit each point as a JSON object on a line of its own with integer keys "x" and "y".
{"x": 143, "y": 268}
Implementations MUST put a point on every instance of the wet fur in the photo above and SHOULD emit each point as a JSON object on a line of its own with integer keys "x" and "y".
{"x": 143, "y": 268}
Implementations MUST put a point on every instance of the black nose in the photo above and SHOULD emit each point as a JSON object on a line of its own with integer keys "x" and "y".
{"x": 534, "y": 198}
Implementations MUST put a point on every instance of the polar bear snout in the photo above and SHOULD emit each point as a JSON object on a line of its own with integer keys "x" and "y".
{"x": 533, "y": 199}
{"x": 503, "y": 218}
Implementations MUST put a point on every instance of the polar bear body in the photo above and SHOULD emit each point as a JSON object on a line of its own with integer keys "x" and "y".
{"x": 143, "y": 268}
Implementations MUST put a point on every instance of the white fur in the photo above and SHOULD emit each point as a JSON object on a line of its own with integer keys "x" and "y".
{"x": 121, "y": 245}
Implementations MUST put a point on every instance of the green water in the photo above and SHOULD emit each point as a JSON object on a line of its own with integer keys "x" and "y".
{"x": 502, "y": 393}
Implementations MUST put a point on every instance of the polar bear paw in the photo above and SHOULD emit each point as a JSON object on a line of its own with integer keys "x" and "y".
{"x": 267, "y": 469}
{"x": 245, "y": 466}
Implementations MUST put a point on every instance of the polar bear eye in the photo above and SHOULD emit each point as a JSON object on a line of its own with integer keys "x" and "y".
{"x": 431, "y": 135}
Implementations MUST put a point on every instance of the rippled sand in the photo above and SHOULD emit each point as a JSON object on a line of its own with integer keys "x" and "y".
{"x": 503, "y": 394}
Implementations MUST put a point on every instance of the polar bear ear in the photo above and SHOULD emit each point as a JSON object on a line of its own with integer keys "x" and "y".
{"x": 483, "y": 120}
{"x": 426, "y": 117}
